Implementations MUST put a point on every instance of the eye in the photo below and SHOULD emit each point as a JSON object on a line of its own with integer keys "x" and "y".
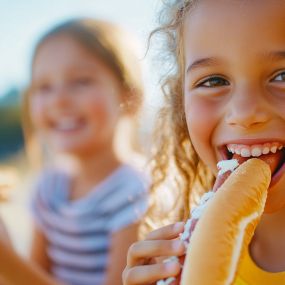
{"x": 279, "y": 77}
{"x": 42, "y": 89}
{"x": 82, "y": 81}
{"x": 212, "y": 82}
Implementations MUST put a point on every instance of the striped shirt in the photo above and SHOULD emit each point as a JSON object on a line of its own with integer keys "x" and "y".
{"x": 79, "y": 232}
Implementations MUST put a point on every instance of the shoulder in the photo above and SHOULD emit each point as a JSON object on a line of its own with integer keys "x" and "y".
{"x": 49, "y": 183}
{"x": 131, "y": 185}
{"x": 125, "y": 186}
{"x": 130, "y": 198}
{"x": 132, "y": 176}
{"x": 49, "y": 193}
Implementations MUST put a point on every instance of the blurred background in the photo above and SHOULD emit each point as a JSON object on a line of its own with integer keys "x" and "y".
{"x": 22, "y": 23}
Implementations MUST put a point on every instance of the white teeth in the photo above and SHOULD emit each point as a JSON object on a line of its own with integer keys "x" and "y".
{"x": 67, "y": 124}
{"x": 245, "y": 152}
{"x": 273, "y": 149}
{"x": 254, "y": 150}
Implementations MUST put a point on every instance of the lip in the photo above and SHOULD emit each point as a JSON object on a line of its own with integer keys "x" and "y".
{"x": 253, "y": 141}
{"x": 276, "y": 177}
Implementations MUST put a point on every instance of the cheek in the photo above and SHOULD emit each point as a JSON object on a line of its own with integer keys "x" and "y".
{"x": 281, "y": 108}
{"x": 200, "y": 119}
{"x": 102, "y": 109}
{"x": 37, "y": 109}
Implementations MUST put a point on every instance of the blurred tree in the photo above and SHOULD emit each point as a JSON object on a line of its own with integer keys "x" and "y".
{"x": 11, "y": 135}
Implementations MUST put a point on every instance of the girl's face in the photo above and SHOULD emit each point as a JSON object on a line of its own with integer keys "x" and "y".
{"x": 75, "y": 97}
{"x": 235, "y": 84}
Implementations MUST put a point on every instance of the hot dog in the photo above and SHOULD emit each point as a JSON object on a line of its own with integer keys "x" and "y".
{"x": 226, "y": 226}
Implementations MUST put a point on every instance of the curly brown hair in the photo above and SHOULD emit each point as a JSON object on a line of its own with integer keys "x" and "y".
{"x": 174, "y": 161}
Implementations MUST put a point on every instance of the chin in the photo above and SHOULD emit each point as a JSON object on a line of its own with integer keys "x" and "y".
{"x": 71, "y": 149}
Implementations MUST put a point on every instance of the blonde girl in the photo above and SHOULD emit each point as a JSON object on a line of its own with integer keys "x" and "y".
{"x": 226, "y": 91}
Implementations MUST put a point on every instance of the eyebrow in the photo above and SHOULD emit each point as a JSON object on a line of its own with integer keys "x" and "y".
{"x": 275, "y": 55}
{"x": 203, "y": 62}
{"x": 210, "y": 61}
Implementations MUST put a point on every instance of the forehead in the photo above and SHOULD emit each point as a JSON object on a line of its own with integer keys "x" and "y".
{"x": 63, "y": 53}
{"x": 227, "y": 27}
{"x": 61, "y": 46}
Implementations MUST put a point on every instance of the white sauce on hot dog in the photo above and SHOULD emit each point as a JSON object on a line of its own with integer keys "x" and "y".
{"x": 227, "y": 165}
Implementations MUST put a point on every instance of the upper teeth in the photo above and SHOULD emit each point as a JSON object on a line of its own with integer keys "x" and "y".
{"x": 67, "y": 124}
{"x": 254, "y": 150}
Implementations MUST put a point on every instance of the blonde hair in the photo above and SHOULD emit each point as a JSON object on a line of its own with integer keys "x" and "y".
{"x": 117, "y": 49}
{"x": 175, "y": 165}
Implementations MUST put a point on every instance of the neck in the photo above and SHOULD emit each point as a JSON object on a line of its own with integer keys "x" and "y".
{"x": 90, "y": 169}
{"x": 267, "y": 247}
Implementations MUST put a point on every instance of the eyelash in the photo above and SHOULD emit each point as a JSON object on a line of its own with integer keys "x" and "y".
{"x": 207, "y": 80}
{"x": 279, "y": 74}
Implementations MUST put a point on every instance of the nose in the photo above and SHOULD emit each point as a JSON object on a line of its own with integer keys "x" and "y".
{"x": 247, "y": 108}
{"x": 60, "y": 96}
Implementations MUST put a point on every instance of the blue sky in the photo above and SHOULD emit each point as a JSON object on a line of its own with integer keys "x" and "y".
{"x": 22, "y": 22}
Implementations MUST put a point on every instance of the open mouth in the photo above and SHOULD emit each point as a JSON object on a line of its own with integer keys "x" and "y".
{"x": 271, "y": 153}
{"x": 68, "y": 124}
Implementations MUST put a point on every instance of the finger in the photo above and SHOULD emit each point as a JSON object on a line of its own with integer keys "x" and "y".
{"x": 168, "y": 232}
{"x": 142, "y": 251}
{"x": 149, "y": 274}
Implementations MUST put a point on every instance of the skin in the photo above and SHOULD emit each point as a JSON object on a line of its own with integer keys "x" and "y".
{"x": 243, "y": 103}
{"x": 71, "y": 84}
{"x": 142, "y": 267}
{"x": 4, "y": 236}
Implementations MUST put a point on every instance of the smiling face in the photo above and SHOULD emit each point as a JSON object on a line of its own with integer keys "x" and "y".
{"x": 75, "y": 98}
{"x": 235, "y": 84}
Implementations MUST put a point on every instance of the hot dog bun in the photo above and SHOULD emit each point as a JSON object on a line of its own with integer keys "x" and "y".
{"x": 227, "y": 226}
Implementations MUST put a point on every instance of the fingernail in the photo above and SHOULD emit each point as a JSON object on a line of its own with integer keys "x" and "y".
{"x": 169, "y": 280}
{"x": 171, "y": 265}
{"x": 178, "y": 227}
{"x": 170, "y": 259}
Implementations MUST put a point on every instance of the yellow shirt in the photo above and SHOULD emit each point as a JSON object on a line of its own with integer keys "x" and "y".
{"x": 251, "y": 274}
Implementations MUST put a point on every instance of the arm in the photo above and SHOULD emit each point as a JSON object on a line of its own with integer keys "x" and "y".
{"x": 4, "y": 236}
{"x": 5, "y": 239}
{"x": 120, "y": 244}
{"x": 39, "y": 250}
{"x": 14, "y": 269}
